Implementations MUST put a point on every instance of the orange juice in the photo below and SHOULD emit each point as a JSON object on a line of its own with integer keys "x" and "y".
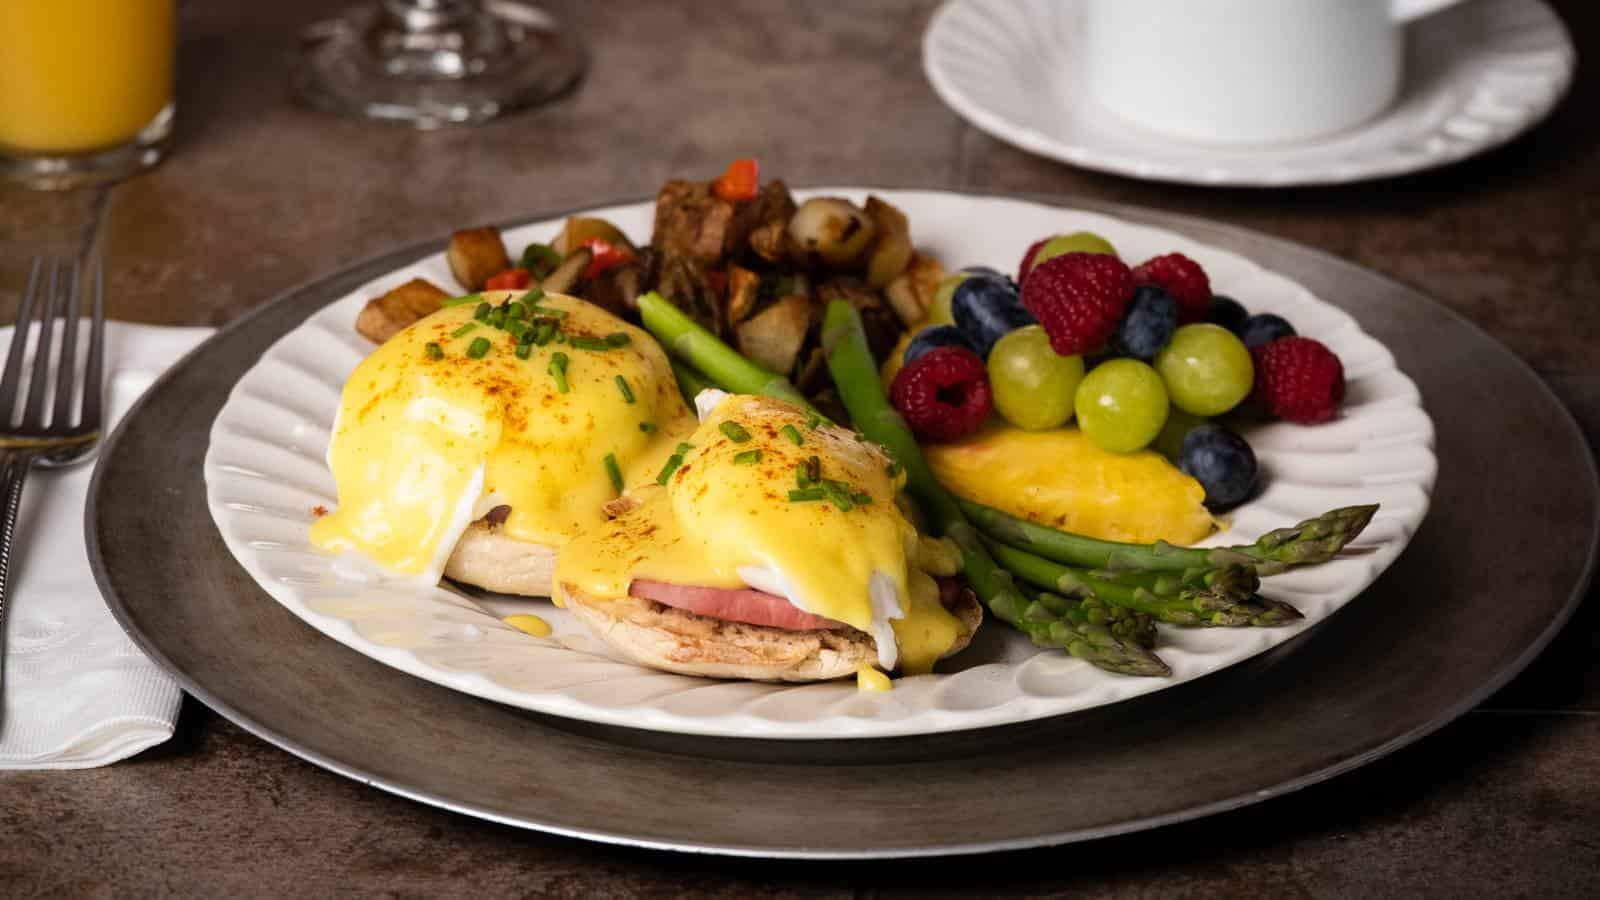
{"x": 83, "y": 75}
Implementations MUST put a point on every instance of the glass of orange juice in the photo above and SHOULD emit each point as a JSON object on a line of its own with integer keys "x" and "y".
{"x": 85, "y": 88}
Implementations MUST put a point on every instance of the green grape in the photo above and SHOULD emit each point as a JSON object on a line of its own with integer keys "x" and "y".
{"x": 1207, "y": 369}
{"x": 1076, "y": 242}
{"x": 1033, "y": 385}
{"x": 1121, "y": 405}
{"x": 1169, "y": 442}
{"x": 939, "y": 310}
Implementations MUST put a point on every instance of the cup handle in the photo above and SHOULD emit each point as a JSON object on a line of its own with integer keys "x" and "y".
{"x": 1407, "y": 10}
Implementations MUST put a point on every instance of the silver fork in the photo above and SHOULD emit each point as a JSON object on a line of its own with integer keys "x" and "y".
{"x": 32, "y": 439}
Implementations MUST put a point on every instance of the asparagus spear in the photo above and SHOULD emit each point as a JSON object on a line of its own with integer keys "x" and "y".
{"x": 1310, "y": 542}
{"x": 690, "y": 381}
{"x": 1125, "y": 624}
{"x": 1089, "y": 630}
{"x": 722, "y": 365}
{"x": 1189, "y": 605}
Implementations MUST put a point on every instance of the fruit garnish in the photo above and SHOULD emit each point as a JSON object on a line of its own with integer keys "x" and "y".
{"x": 1206, "y": 368}
{"x": 1227, "y": 312}
{"x": 1079, "y": 299}
{"x": 1121, "y": 404}
{"x": 1056, "y": 245}
{"x": 944, "y": 394}
{"x": 1298, "y": 380}
{"x": 1147, "y": 323}
{"x": 606, "y": 256}
{"x": 1033, "y": 385}
{"x": 986, "y": 306}
{"x": 935, "y": 336}
{"x": 1222, "y": 462}
{"x": 1264, "y": 329}
{"x": 1181, "y": 277}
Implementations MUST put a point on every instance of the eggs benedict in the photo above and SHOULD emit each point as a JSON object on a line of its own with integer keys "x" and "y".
{"x": 482, "y": 438}
{"x": 767, "y": 546}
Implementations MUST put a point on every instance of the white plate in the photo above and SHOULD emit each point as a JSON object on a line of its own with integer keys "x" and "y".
{"x": 265, "y": 473}
{"x": 1477, "y": 75}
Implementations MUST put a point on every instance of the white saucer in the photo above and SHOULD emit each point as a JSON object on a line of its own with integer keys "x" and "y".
{"x": 1477, "y": 75}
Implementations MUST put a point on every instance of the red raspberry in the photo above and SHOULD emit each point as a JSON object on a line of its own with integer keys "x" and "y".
{"x": 1078, "y": 298}
{"x": 944, "y": 393}
{"x": 1298, "y": 380}
{"x": 1181, "y": 277}
{"x": 1027, "y": 258}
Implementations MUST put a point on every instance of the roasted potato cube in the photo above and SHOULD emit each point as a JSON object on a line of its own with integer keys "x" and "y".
{"x": 475, "y": 255}
{"x": 773, "y": 336}
{"x": 744, "y": 289}
{"x": 384, "y": 317}
{"x": 579, "y": 229}
{"x": 831, "y": 232}
{"x": 911, "y": 292}
{"x": 892, "y": 253}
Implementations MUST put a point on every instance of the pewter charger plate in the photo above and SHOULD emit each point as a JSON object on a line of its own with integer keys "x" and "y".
{"x": 1430, "y": 638}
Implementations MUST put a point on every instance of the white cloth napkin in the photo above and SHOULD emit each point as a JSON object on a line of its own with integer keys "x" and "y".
{"x": 75, "y": 692}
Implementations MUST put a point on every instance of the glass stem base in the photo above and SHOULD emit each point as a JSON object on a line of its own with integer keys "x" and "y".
{"x": 46, "y": 170}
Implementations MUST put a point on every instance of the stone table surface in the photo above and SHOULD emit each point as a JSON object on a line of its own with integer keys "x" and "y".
{"x": 261, "y": 195}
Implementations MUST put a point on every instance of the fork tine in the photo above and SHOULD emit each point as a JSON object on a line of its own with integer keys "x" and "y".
{"x": 67, "y": 369}
{"x": 93, "y": 382}
{"x": 19, "y": 344}
{"x": 39, "y": 385}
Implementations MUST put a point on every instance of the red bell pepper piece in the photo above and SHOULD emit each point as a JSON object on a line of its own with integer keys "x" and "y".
{"x": 742, "y": 181}
{"x": 606, "y": 256}
{"x": 509, "y": 280}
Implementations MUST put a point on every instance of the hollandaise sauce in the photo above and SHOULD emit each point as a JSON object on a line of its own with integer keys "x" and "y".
{"x": 468, "y": 409}
{"x": 742, "y": 503}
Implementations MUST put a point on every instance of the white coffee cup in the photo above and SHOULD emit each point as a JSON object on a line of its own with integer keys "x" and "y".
{"x": 1246, "y": 71}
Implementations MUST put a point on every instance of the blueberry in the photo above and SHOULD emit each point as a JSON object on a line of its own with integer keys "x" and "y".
{"x": 1264, "y": 329}
{"x": 1222, "y": 462}
{"x": 987, "y": 272}
{"x": 935, "y": 336}
{"x": 1227, "y": 312}
{"x": 1147, "y": 323}
{"x": 986, "y": 309}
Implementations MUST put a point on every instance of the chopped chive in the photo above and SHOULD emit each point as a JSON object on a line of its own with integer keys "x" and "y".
{"x": 618, "y": 339}
{"x": 516, "y": 309}
{"x": 543, "y": 332}
{"x": 802, "y": 477}
{"x": 683, "y": 447}
{"x": 479, "y": 348}
{"x": 463, "y": 300}
{"x": 613, "y": 471}
{"x": 734, "y": 431}
{"x": 516, "y": 328}
{"x": 814, "y": 469}
{"x": 528, "y": 334}
{"x": 806, "y": 495}
{"x": 793, "y": 434}
{"x": 838, "y": 494}
{"x": 548, "y": 312}
{"x": 861, "y": 498}
{"x": 582, "y": 342}
{"x": 747, "y": 458}
{"x": 482, "y": 315}
{"x": 812, "y": 421}
{"x": 524, "y": 351}
{"x": 647, "y": 427}
{"x": 434, "y": 350}
{"x": 463, "y": 329}
{"x": 534, "y": 295}
{"x": 627, "y": 392}
{"x": 558, "y": 370}
{"x": 673, "y": 462}
{"x": 497, "y": 317}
